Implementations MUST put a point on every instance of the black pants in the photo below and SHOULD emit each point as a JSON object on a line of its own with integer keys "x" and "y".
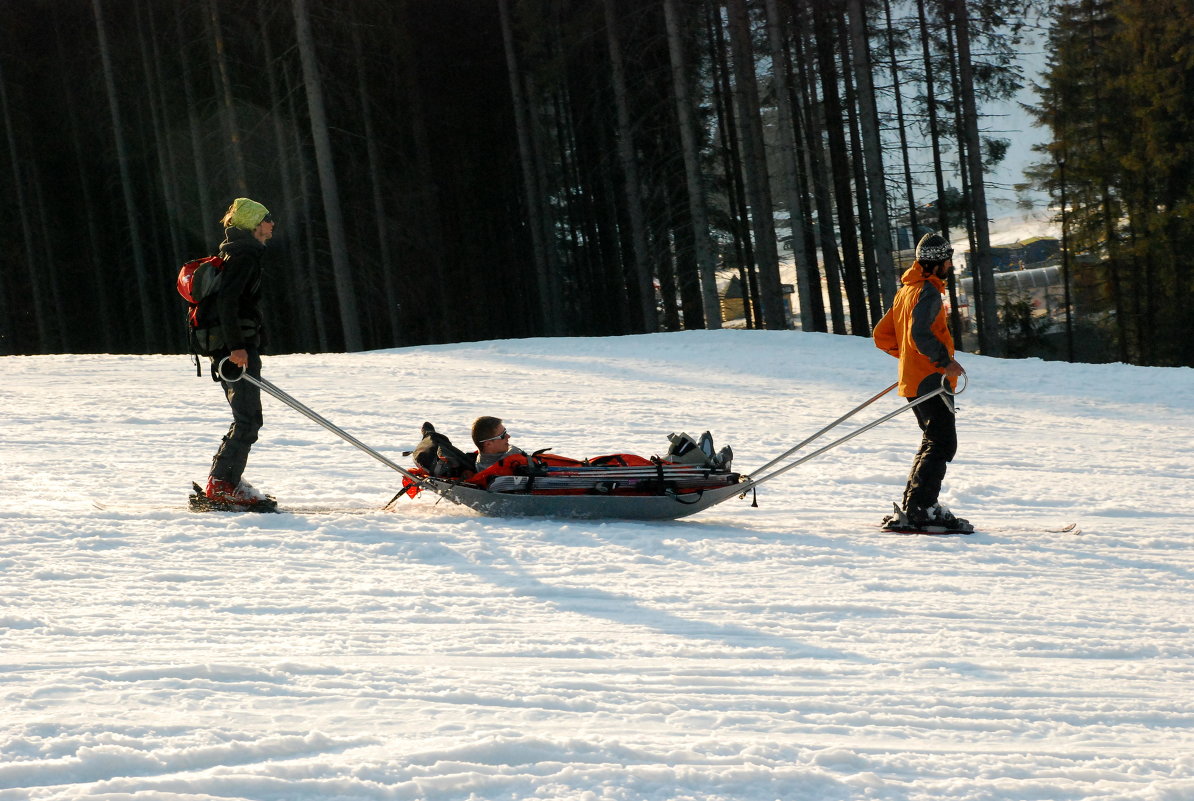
{"x": 938, "y": 444}
{"x": 245, "y": 400}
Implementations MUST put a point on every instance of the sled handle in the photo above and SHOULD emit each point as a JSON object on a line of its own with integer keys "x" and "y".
{"x": 220, "y": 371}
{"x": 945, "y": 385}
{"x": 751, "y": 482}
{"x": 266, "y": 386}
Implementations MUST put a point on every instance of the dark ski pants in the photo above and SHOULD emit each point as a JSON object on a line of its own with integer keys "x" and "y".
{"x": 245, "y": 400}
{"x": 938, "y": 444}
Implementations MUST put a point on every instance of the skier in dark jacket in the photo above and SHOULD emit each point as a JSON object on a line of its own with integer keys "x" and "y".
{"x": 914, "y": 330}
{"x": 241, "y": 335}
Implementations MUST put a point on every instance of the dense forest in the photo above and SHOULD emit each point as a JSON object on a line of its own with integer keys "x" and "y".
{"x": 1118, "y": 99}
{"x": 447, "y": 170}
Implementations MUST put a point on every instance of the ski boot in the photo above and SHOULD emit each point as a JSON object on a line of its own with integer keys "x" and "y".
{"x": 935, "y": 519}
{"x": 940, "y": 515}
{"x": 222, "y": 496}
{"x": 724, "y": 458}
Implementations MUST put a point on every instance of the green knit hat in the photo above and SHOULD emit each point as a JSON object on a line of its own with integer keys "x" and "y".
{"x": 245, "y": 213}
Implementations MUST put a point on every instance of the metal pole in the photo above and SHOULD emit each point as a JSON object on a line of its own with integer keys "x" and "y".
{"x": 1065, "y": 262}
{"x": 834, "y": 424}
{"x": 308, "y": 413}
{"x": 751, "y": 483}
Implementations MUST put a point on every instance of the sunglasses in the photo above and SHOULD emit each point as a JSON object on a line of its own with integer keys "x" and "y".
{"x": 503, "y": 435}
{"x": 269, "y": 218}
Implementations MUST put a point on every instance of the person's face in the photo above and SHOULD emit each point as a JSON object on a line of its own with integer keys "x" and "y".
{"x": 946, "y": 267}
{"x": 498, "y": 443}
{"x": 264, "y": 231}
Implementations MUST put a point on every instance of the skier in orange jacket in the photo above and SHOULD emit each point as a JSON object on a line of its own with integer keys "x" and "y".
{"x": 914, "y": 330}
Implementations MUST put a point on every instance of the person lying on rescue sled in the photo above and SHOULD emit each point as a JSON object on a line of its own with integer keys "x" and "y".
{"x": 438, "y": 457}
{"x": 689, "y": 466}
{"x": 492, "y": 441}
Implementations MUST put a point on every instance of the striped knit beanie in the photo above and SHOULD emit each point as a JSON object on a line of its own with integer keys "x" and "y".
{"x": 932, "y": 248}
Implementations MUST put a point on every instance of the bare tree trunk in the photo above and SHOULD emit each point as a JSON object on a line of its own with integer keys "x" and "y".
{"x": 584, "y": 229}
{"x": 746, "y": 93}
{"x": 611, "y": 250}
{"x": 23, "y": 215}
{"x": 668, "y": 288}
{"x": 422, "y": 218}
{"x": 872, "y": 146}
{"x": 132, "y": 216}
{"x": 379, "y": 207}
{"x": 703, "y": 245}
{"x": 537, "y": 217}
{"x": 982, "y": 232}
{"x": 206, "y": 213}
{"x": 555, "y": 305}
{"x": 308, "y": 267}
{"x": 341, "y": 268}
{"x": 870, "y": 270}
{"x": 305, "y": 266}
{"x": 163, "y": 146}
{"x": 644, "y": 287}
{"x": 787, "y": 152}
{"x": 820, "y": 181}
{"x": 840, "y": 175}
{"x": 732, "y": 168}
{"x": 896, "y": 89}
{"x": 955, "y": 313}
{"x": 801, "y": 105}
{"x": 569, "y": 186}
{"x": 7, "y": 343}
{"x": 934, "y": 131}
{"x": 103, "y": 324}
{"x": 48, "y": 284}
{"x": 300, "y": 315}
{"x": 1065, "y": 256}
{"x": 231, "y": 123}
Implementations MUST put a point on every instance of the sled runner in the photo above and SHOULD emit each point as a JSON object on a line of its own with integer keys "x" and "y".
{"x": 624, "y": 486}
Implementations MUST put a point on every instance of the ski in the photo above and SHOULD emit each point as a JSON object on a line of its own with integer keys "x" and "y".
{"x": 199, "y": 502}
{"x": 939, "y": 531}
{"x": 898, "y": 523}
{"x": 928, "y": 531}
{"x": 1067, "y": 528}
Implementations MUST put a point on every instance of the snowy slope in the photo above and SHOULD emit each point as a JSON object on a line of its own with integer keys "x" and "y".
{"x": 788, "y": 651}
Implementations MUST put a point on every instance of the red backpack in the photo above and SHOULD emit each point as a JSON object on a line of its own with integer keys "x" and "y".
{"x": 198, "y": 281}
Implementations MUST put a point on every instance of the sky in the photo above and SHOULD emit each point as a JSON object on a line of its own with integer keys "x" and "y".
{"x": 1008, "y": 119}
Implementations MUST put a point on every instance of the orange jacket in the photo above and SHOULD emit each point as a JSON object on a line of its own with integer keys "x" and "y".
{"x": 914, "y": 331}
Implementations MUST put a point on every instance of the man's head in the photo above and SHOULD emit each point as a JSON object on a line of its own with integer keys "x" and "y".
{"x": 935, "y": 255}
{"x": 251, "y": 216}
{"x": 490, "y": 435}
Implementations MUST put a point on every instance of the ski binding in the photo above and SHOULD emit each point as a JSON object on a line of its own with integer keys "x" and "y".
{"x": 898, "y": 523}
{"x": 199, "y": 502}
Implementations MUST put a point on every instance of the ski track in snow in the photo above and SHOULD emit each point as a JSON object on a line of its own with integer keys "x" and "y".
{"x": 788, "y": 651}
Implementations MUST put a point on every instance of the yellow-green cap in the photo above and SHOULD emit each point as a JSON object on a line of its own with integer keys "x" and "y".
{"x": 245, "y": 213}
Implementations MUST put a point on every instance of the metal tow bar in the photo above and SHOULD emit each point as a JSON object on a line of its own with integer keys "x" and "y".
{"x": 944, "y": 389}
{"x": 311, "y": 415}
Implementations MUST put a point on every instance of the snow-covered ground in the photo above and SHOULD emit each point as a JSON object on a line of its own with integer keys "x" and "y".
{"x": 789, "y": 651}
